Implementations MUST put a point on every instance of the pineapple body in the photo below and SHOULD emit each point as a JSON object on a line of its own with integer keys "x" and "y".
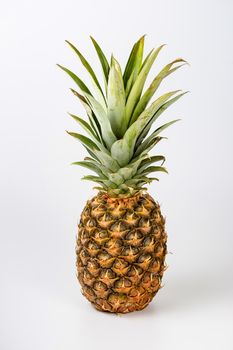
{"x": 121, "y": 248}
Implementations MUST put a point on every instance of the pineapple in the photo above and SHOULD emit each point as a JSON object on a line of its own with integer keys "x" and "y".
{"x": 121, "y": 241}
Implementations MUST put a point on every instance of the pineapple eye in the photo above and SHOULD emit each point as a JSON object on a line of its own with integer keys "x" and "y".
{"x": 133, "y": 235}
{"x": 116, "y": 299}
{"x": 100, "y": 286}
{"x": 130, "y": 251}
{"x": 144, "y": 257}
{"x": 155, "y": 266}
{"x": 151, "y": 281}
{"x": 135, "y": 271}
{"x": 91, "y": 223}
{"x": 114, "y": 243}
{"x": 118, "y": 226}
{"x": 148, "y": 241}
{"x": 120, "y": 264}
{"x": 93, "y": 265}
{"x": 108, "y": 274}
{"x": 92, "y": 246}
{"x": 83, "y": 256}
{"x": 123, "y": 282}
{"x": 101, "y": 235}
{"x": 144, "y": 222}
{"x": 86, "y": 212}
{"x": 103, "y": 256}
{"x": 89, "y": 294}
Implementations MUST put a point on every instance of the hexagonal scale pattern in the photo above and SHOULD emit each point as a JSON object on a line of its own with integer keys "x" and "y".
{"x": 121, "y": 248}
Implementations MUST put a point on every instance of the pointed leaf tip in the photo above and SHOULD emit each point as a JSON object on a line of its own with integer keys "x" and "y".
{"x": 102, "y": 58}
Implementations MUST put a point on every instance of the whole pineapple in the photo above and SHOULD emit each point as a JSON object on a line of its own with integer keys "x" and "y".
{"x": 121, "y": 242}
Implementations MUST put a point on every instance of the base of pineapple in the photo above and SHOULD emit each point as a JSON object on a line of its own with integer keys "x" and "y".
{"x": 121, "y": 248}
{"x": 124, "y": 306}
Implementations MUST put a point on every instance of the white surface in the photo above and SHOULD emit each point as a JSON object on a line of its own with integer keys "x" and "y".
{"x": 42, "y": 196}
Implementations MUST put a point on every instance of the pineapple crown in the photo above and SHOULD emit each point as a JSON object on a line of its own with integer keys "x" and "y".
{"x": 119, "y": 120}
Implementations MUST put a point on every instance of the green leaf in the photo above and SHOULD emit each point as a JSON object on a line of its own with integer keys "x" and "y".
{"x": 98, "y": 164}
{"x": 151, "y": 169}
{"x": 116, "y": 178}
{"x": 150, "y": 179}
{"x": 109, "y": 184}
{"x": 76, "y": 79}
{"x": 150, "y": 160}
{"x": 129, "y": 171}
{"x": 150, "y": 146}
{"x": 91, "y": 166}
{"x": 162, "y": 108}
{"x": 99, "y": 188}
{"x": 106, "y": 130}
{"x": 84, "y": 125}
{"x": 144, "y": 145}
{"x": 96, "y": 179}
{"x": 89, "y": 159}
{"x": 146, "y": 59}
{"x": 154, "y": 86}
{"x": 142, "y": 180}
{"x": 89, "y": 69}
{"x": 107, "y": 161}
{"x": 133, "y": 182}
{"x": 92, "y": 118}
{"x": 129, "y": 85}
{"x": 86, "y": 65}
{"x": 85, "y": 141}
{"x": 134, "y": 64}
{"x": 122, "y": 150}
{"x": 77, "y": 94}
{"x": 89, "y": 130}
{"x": 103, "y": 161}
{"x": 136, "y": 90}
{"x": 92, "y": 154}
{"x": 102, "y": 58}
{"x": 126, "y": 172}
{"x": 116, "y": 99}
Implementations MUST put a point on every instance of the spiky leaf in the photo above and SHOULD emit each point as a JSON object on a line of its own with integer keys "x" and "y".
{"x": 144, "y": 145}
{"x": 102, "y": 58}
{"x": 106, "y": 129}
{"x": 96, "y": 179}
{"x": 92, "y": 118}
{"x": 76, "y": 79}
{"x": 136, "y": 90}
{"x": 154, "y": 86}
{"x": 122, "y": 150}
{"x": 134, "y": 64}
{"x": 90, "y": 166}
{"x": 91, "y": 145}
{"x": 84, "y": 125}
{"x": 116, "y": 99}
{"x": 151, "y": 169}
{"x": 90, "y": 71}
{"x": 162, "y": 108}
{"x": 150, "y": 160}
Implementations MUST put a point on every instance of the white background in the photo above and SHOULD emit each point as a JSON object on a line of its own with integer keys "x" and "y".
{"x": 42, "y": 195}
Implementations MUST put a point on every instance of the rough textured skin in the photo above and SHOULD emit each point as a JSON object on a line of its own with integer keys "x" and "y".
{"x": 121, "y": 248}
